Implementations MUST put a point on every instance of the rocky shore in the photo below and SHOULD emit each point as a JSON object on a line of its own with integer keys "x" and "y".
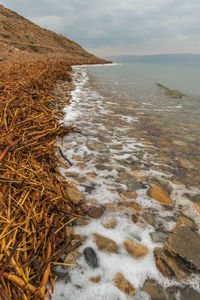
{"x": 177, "y": 257}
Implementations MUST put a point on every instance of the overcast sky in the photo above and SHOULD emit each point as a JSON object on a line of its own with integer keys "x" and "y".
{"x": 107, "y": 27}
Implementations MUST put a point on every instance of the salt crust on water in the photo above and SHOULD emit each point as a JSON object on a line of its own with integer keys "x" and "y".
{"x": 135, "y": 270}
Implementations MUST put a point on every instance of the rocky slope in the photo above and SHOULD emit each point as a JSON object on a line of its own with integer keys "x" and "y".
{"x": 21, "y": 39}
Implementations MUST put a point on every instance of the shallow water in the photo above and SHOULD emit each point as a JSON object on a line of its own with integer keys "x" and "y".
{"x": 130, "y": 135}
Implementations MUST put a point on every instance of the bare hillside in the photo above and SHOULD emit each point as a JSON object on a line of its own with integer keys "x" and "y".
{"x": 20, "y": 39}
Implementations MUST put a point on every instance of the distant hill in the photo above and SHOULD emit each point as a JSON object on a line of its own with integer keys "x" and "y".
{"x": 20, "y": 39}
{"x": 158, "y": 58}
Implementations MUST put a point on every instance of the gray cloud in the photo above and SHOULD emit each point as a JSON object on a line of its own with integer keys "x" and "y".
{"x": 116, "y": 26}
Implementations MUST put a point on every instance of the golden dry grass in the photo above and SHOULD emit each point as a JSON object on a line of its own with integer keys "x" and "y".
{"x": 34, "y": 207}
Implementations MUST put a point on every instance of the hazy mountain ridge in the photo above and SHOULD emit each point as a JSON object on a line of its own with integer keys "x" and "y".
{"x": 22, "y": 39}
{"x": 157, "y": 58}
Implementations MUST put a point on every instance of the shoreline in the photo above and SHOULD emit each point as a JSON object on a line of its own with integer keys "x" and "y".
{"x": 127, "y": 206}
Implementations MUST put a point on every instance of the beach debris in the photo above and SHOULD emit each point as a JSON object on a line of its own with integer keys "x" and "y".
{"x": 35, "y": 202}
{"x": 91, "y": 257}
{"x": 124, "y": 285}
{"x": 135, "y": 249}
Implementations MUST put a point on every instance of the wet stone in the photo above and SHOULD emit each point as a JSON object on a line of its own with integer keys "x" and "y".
{"x": 81, "y": 222}
{"x": 74, "y": 195}
{"x": 159, "y": 237}
{"x": 96, "y": 212}
{"x": 135, "y": 249}
{"x": 72, "y": 257}
{"x": 189, "y": 293}
{"x": 154, "y": 290}
{"x": 159, "y": 195}
{"x": 111, "y": 223}
{"x": 150, "y": 219}
{"x": 124, "y": 285}
{"x": 172, "y": 292}
{"x": 61, "y": 272}
{"x": 178, "y": 242}
{"x": 104, "y": 243}
{"x": 169, "y": 266}
{"x": 91, "y": 257}
{"x": 95, "y": 279}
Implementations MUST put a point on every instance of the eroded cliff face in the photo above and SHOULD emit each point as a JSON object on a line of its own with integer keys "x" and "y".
{"x": 20, "y": 39}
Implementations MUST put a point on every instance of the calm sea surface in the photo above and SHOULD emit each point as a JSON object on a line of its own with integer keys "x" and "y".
{"x": 131, "y": 136}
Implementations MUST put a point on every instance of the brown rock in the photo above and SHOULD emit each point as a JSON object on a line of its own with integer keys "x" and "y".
{"x": 84, "y": 207}
{"x": 132, "y": 195}
{"x": 123, "y": 285}
{"x": 135, "y": 249}
{"x": 95, "y": 278}
{"x": 95, "y": 212}
{"x": 72, "y": 257}
{"x": 136, "y": 207}
{"x": 69, "y": 231}
{"x": 104, "y": 243}
{"x": 91, "y": 174}
{"x": 74, "y": 195}
{"x": 110, "y": 206}
{"x": 134, "y": 218}
{"x": 111, "y": 223}
{"x": 185, "y": 244}
{"x": 160, "y": 195}
{"x": 81, "y": 165}
{"x": 168, "y": 265}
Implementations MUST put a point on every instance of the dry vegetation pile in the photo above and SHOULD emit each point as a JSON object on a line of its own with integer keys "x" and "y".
{"x": 34, "y": 206}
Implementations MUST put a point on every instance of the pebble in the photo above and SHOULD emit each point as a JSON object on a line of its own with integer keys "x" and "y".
{"x": 104, "y": 243}
{"x": 154, "y": 290}
{"x": 124, "y": 285}
{"x": 72, "y": 257}
{"x": 69, "y": 231}
{"x": 74, "y": 195}
{"x": 95, "y": 279}
{"x": 159, "y": 195}
{"x": 158, "y": 236}
{"x": 91, "y": 257}
{"x": 135, "y": 249}
{"x": 111, "y": 223}
{"x": 96, "y": 212}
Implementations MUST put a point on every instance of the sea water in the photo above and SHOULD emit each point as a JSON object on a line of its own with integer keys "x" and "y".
{"x": 128, "y": 126}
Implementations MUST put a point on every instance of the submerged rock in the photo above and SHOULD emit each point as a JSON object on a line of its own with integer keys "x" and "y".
{"x": 172, "y": 93}
{"x": 185, "y": 244}
{"x": 135, "y": 249}
{"x": 158, "y": 236}
{"x": 160, "y": 195}
{"x": 189, "y": 293}
{"x": 124, "y": 285}
{"x": 74, "y": 195}
{"x": 104, "y": 243}
{"x": 91, "y": 257}
{"x": 111, "y": 223}
{"x": 95, "y": 279}
{"x": 180, "y": 254}
{"x": 96, "y": 212}
{"x": 168, "y": 265}
{"x": 154, "y": 290}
